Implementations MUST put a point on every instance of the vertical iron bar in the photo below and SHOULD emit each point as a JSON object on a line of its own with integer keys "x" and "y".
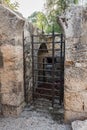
{"x": 61, "y": 60}
{"x": 53, "y": 87}
{"x": 64, "y": 51}
{"x": 32, "y": 42}
{"x": 63, "y": 63}
{"x": 44, "y": 71}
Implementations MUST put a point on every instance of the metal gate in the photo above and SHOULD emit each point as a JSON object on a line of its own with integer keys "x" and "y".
{"x": 48, "y": 67}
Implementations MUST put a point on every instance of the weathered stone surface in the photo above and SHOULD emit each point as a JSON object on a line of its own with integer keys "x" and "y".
{"x": 11, "y": 72}
{"x": 79, "y": 125}
{"x": 28, "y": 31}
{"x": 75, "y": 78}
{"x": 72, "y": 116}
{"x": 13, "y": 111}
{"x": 74, "y": 24}
{"x": 76, "y": 101}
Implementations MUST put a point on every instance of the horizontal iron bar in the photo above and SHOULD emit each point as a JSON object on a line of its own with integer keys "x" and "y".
{"x": 40, "y": 88}
{"x": 43, "y": 99}
{"x": 47, "y": 57}
{"x": 46, "y": 95}
{"x": 50, "y": 83}
{"x": 36, "y": 42}
{"x": 42, "y": 63}
{"x": 48, "y": 76}
{"x": 47, "y": 49}
{"x": 35, "y": 93}
{"x": 47, "y": 63}
{"x": 47, "y": 35}
{"x": 48, "y": 70}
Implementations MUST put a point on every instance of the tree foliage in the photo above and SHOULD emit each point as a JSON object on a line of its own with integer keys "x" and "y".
{"x": 13, "y": 6}
{"x": 53, "y": 8}
{"x": 56, "y": 7}
{"x": 39, "y": 19}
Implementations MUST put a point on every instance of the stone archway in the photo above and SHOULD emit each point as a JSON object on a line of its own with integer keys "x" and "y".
{"x": 42, "y": 53}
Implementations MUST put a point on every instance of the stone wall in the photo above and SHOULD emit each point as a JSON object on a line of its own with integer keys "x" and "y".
{"x": 11, "y": 62}
{"x": 12, "y": 76}
{"x": 74, "y": 23}
{"x": 29, "y": 29}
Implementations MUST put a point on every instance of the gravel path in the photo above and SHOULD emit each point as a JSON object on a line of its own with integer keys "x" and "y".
{"x": 32, "y": 119}
{"x": 35, "y": 122}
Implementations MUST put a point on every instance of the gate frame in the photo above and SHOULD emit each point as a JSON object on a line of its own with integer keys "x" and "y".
{"x": 62, "y": 56}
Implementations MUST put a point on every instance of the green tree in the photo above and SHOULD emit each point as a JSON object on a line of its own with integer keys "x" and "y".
{"x": 13, "y": 6}
{"x": 54, "y": 8}
{"x": 42, "y": 21}
{"x": 33, "y": 17}
{"x": 58, "y": 5}
{"x": 39, "y": 19}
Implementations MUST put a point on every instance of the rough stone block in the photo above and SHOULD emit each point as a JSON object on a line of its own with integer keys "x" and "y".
{"x": 11, "y": 48}
{"x": 70, "y": 116}
{"x": 79, "y": 125}
{"x": 75, "y": 101}
{"x": 75, "y": 79}
{"x": 74, "y": 24}
{"x": 10, "y": 99}
{"x": 13, "y": 111}
{"x": 8, "y": 81}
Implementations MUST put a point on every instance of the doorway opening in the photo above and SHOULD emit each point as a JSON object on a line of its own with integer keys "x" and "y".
{"x": 48, "y": 68}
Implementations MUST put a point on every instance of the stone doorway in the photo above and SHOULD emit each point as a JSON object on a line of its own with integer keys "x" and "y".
{"x": 12, "y": 84}
{"x": 48, "y": 67}
{"x": 74, "y": 24}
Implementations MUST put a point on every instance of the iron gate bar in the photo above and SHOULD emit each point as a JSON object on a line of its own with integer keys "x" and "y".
{"x": 46, "y": 42}
{"x": 32, "y": 67}
{"x": 53, "y": 66}
{"x": 45, "y": 63}
{"x": 49, "y": 64}
{"x": 47, "y": 76}
{"x": 47, "y": 70}
{"x": 46, "y": 95}
{"x": 47, "y": 49}
{"x": 46, "y": 82}
{"x": 46, "y": 35}
{"x": 47, "y": 89}
{"x": 61, "y": 66}
{"x": 59, "y": 69}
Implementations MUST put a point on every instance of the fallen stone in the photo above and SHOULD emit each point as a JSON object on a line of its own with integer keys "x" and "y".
{"x": 79, "y": 125}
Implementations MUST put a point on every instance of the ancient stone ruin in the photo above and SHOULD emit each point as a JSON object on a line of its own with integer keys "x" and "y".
{"x": 16, "y": 62}
{"x": 11, "y": 62}
{"x": 75, "y": 29}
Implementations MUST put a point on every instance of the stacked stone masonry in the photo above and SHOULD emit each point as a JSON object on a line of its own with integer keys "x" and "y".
{"x": 16, "y": 62}
{"x": 75, "y": 29}
{"x": 11, "y": 62}
{"x": 29, "y": 29}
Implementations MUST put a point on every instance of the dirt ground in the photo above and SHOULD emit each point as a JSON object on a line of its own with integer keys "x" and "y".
{"x": 36, "y": 117}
